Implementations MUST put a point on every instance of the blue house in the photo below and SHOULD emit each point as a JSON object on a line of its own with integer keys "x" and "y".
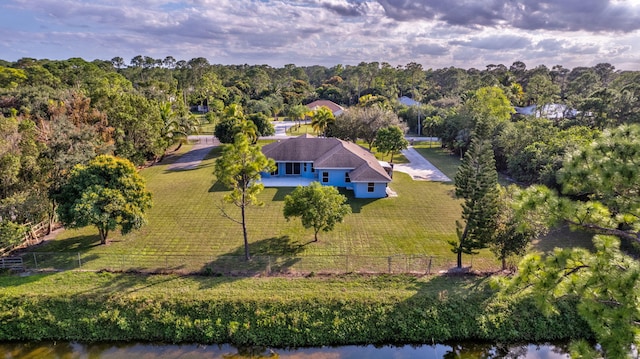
{"x": 330, "y": 161}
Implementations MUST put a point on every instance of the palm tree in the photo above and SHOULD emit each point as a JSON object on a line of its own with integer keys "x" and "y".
{"x": 297, "y": 112}
{"x": 322, "y": 118}
{"x": 175, "y": 129}
{"x": 249, "y": 129}
{"x": 234, "y": 110}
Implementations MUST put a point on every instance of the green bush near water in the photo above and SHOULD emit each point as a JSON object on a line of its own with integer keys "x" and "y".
{"x": 387, "y": 309}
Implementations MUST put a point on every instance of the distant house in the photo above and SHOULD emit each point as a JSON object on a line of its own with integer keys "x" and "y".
{"x": 330, "y": 161}
{"x": 404, "y": 100}
{"x": 552, "y": 111}
{"x": 334, "y": 107}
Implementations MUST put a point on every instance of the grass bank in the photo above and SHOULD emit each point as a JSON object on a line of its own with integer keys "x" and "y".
{"x": 279, "y": 312}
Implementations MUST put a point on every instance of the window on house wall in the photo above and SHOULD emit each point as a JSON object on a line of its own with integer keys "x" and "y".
{"x": 275, "y": 173}
{"x": 347, "y": 179}
{"x": 371, "y": 187}
{"x": 312, "y": 169}
{"x": 292, "y": 168}
{"x": 305, "y": 168}
{"x": 325, "y": 177}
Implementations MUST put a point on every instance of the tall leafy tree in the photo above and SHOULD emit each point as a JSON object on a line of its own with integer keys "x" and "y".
{"x": 364, "y": 123}
{"x": 319, "y": 207}
{"x": 239, "y": 168}
{"x": 542, "y": 91}
{"x": 391, "y": 140}
{"x": 107, "y": 193}
{"x": 263, "y": 126}
{"x": 232, "y": 123}
{"x": 476, "y": 183}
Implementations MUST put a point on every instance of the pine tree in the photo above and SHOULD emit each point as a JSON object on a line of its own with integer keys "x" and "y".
{"x": 477, "y": 183}
{"x": 239, "y": 168}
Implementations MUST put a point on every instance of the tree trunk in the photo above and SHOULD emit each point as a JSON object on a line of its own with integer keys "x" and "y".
{"x": 462, "y": 238}
{"x": 315, "y": 236}
{"x": 244, "y": 232}
{"x": 51, "y": 217}
{"x": 504, "y": 263}
{"x": 103, "y": 235}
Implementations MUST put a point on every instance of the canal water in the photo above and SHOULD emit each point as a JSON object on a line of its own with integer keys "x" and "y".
{"x": 72, "y": 350}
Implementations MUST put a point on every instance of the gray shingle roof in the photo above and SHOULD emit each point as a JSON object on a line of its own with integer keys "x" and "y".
{"x": 334, "y": 107}
{"x": 329, "y": 153}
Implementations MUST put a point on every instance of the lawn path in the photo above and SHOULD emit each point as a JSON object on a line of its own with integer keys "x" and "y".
{"x": 198, "y": 152}
{"x": 419, "y": 168}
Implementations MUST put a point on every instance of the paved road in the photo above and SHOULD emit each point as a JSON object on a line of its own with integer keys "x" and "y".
{"x": 419, "y": 168}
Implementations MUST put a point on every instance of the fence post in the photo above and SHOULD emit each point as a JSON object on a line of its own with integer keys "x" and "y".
{"x": 429, "y": 267}
{"x": 35, "y": 260}
{"x": 389, "y": 263}
{"x": 79, "y": 261}
{"x": 346, "y": 268}
{"x": 268, "y": 269}
{"x": 406, "y": 263}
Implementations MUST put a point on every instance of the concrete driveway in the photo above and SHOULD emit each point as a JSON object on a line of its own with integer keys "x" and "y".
{"x": 201, "y": 147}
{"x": 419, "y": 168}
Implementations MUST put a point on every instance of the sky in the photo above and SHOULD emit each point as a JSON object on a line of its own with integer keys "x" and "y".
{"x": 434, "y": 33}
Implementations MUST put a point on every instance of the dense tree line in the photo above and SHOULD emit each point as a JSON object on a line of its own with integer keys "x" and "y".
{"x": 55, "y": 114}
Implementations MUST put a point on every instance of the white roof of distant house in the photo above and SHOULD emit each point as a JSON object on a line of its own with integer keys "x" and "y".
{"x": 551, "y": 110}
{"x": 334, "y": 107}
{"x": 408, "y": 101}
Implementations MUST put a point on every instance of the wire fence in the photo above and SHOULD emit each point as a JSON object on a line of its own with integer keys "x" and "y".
{"x": 258, "y": 265}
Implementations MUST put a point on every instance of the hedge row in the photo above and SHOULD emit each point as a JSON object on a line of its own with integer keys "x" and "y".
{"x": 423, "y": 318}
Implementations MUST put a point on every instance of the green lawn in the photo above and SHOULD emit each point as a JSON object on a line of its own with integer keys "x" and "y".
{"x": 186, "y": 231}
{"x": 439, "y": 157}
{"x": 396, "y": 287}
{"x": 186, "y": 220}
{"x": 206, "y": 129}
{"x": 301, "y": 130}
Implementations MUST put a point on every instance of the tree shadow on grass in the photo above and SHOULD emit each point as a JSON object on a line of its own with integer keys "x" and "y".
{"x": 74, "y": 244}
{"x": 357, "y": 203}
{"x": 14, "y": 279}
{"x": 218, "y": 186}
{"x": 275, "y": 255}
{"x": 281, "y": 193}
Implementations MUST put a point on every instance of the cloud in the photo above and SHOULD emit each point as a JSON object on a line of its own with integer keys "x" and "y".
{"x": 495, "y": 42}
{"x": 465, "y": 33}
{"x": 344, "y": 8}
{"x": 565, "y": 15}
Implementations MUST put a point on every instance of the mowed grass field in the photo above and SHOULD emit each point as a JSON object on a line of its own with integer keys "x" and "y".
{"x": 186, "y": 220}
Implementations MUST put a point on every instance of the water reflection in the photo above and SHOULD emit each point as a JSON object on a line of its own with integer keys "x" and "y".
{"x": 71, "y": 350}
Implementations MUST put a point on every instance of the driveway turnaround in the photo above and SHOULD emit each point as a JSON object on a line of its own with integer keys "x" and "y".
{"x": 419, "y": 168}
